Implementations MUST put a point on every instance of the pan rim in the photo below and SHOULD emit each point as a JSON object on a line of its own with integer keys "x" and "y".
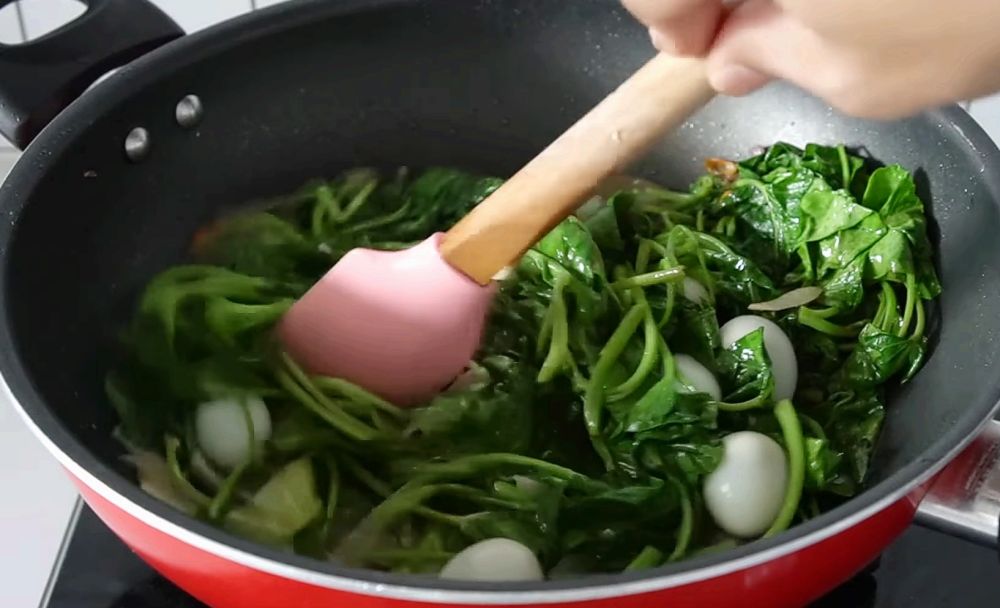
{"x": 125, "y": 494}
{"x": 426, "y": 589}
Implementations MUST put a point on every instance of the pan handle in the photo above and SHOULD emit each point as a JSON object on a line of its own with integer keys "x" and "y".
{"x": 38, "y": 79}
{"x": 964, "y": 499}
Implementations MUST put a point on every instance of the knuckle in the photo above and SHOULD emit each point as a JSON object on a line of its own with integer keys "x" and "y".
{"x": 846, "y": 85}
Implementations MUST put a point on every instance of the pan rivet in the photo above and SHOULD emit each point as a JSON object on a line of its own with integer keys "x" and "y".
{"x": 137, "y": 144}
{"x": 189, "y": 111}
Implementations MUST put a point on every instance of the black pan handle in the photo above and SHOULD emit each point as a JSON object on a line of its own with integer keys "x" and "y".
{"x": 38, "y": 79}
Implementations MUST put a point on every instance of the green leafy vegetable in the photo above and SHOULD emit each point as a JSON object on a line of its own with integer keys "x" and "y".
{"x": 571, "y": 431}
{"x": 280, "y": 508}
{"x": 746, "y": 370}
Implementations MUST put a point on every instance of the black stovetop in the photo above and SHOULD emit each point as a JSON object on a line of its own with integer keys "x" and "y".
{"x": 921, "y": 569}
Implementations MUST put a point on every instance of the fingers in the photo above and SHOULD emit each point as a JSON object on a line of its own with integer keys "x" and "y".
{"x": 849, "y": 61}
{"x": 760, "y": 41}
{"x": 737, "y": 80}
{"x": 691, "y": 33}
{"x": 679, "y": 27}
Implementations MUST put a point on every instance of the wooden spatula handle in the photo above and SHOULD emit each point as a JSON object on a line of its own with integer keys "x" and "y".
{"x": 657, "y": 98}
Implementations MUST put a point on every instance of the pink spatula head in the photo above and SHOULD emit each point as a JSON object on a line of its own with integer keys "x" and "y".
{"x": 404, "y": 324}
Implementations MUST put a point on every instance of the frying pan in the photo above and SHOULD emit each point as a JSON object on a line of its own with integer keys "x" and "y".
{"x": 114, "y": 183}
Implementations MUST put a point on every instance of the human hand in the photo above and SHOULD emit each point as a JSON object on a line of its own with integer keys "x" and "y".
{"x": 869, "y": 58}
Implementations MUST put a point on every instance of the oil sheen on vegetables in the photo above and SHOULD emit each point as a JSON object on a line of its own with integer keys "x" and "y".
{"x": 606, "y": 424}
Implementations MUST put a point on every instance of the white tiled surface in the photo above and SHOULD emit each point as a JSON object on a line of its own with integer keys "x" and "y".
{"x": 36, "y": 500}
{"x": 35, "y": 505}
{"x": 986, "y": 111}
{"x": 10, "y": 28}
{"x": 42, "y": 16}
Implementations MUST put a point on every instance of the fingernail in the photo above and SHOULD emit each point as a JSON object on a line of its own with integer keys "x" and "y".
{"x": 735, "y": 79}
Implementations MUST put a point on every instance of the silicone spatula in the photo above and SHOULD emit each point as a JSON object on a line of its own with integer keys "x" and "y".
{"x": 404, "y": 324}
